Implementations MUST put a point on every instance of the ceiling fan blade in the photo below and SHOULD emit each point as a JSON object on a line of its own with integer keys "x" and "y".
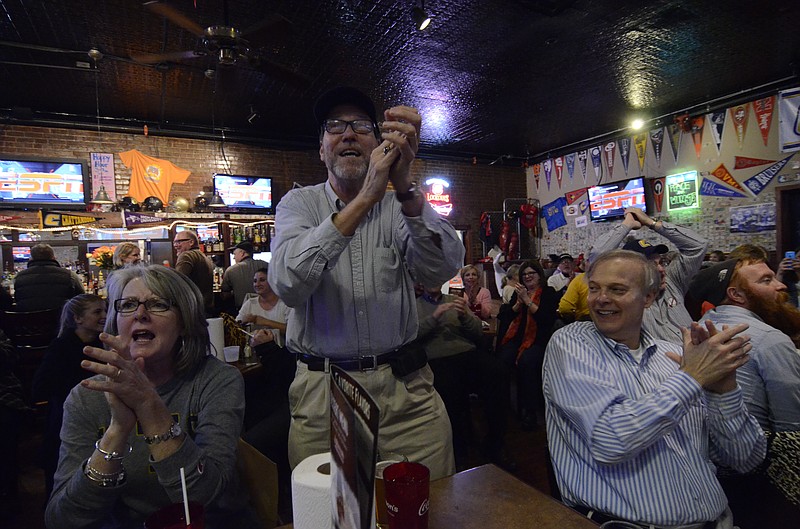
{"x": 278, "y": 71}
{"x": 170, "y": 56}
{"x": 175, "y": 16}
{"x": 272, "y": 27}
{"x": 36, "y": 47}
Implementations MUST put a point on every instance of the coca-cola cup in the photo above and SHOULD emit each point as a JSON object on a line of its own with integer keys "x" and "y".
{"x": 407, "y": 495}
{"x": 173, "y": 517}
{"x": 385, "y": 459}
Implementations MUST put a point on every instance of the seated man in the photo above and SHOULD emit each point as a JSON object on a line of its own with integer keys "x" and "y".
{"x": 563, "y": 274}
{"x": 449, "y": 333}
{"x": 634, "y": 426}
{"x": 573, "y": 305}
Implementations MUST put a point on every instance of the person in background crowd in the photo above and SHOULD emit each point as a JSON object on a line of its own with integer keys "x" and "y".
{"x": 667, "y": 314}
{"x": 237, "y": 281}
{"x": 525, "y": 325}
{"x": 505, "y": 279}
{"x": 126, "y": 253}
{"x": 573, "y": 305}
{"x": 82, "y": 321}
{"x": 750, "y": 251}
{"x": 635, "y": 425}
{"x": 13, "y": 409}
{"x": 550, "y": 265}
{"x": 158, "y": 404}
{"x": 565, "y": 272}
{"x": 44, "y": 284}
{"x": 717, "y": 256}
{"x": 344, "y": 255}
{"x": 748, "y": 291}
{"x": 266, "y": 311}
{"x": 451, "y": 335}
{"x": 195, "y": 265}
{"x": 789, "y": 275}
{"x": 477, "y": 297}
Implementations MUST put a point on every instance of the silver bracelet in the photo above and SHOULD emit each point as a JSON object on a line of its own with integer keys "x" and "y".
{"x": 112, "y": 456}
{"x": 104, "y": 480}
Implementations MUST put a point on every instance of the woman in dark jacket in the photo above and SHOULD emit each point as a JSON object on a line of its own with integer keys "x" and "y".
{"x": 82, "y": 321}
{"x": 526, "y": 324}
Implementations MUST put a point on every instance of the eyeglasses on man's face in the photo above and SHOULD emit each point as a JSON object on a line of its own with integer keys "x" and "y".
{"x": 178, "y": 242}
{"x": 129, "y": 305}
{"x": 338, "y": 126}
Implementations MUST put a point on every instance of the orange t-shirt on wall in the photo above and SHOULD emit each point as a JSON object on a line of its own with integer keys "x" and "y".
{"x": 151, "y": 177}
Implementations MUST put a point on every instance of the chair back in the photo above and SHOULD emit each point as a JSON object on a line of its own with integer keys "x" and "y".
{"x": 32, "y": 329}
{"x": 260, "y": 476}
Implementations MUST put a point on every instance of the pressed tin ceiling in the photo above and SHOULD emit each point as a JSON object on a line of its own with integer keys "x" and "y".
{"x": 494, "y": 79}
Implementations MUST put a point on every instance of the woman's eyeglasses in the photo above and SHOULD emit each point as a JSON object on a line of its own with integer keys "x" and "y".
{"x": 129, "y": 305}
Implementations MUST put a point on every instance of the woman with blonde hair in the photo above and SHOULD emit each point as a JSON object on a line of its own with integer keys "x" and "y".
{"x": 477, "y": 297}
{"x": 126, "y": 253}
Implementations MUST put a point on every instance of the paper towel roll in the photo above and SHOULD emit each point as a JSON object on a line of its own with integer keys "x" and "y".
{"x": 311, "y": 493}
{"x": 216, "y": 332}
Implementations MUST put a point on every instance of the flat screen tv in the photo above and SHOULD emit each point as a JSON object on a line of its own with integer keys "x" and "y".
{"x": 609, "y": 201}
{"x": 31, "y": 183}
{"x": 245, "y": 193}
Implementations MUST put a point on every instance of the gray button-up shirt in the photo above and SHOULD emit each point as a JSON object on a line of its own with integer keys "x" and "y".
{"x": 354, "y": 296}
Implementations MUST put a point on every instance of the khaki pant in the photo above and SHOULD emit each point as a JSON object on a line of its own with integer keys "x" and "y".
{"x": 413, "y": 419}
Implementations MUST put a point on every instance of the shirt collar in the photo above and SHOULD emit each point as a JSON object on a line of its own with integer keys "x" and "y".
{"x": 646, "y": 341}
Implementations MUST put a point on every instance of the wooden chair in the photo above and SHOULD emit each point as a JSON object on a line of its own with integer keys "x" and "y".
{"x": 260, "y": 476}
{"x": 31, "y": 334}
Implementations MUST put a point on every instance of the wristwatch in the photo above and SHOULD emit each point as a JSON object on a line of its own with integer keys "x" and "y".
{"x": 173, "y": 432}
{"x": 409, "y": 194}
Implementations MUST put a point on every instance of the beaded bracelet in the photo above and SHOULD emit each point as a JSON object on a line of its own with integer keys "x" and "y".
{"x": 104, "y": 480}
{"x": 111, "y": 456}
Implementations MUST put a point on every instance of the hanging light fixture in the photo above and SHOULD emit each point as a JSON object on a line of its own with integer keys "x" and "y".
{"x": 420, "y": 16}
{"x": 102, "y": 196}
{"x": 216, "y": 201}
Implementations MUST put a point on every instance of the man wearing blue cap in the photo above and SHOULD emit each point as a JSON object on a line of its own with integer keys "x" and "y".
{"x": 344, "y": 254}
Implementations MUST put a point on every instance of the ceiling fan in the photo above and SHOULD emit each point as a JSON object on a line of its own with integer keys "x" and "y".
{"x": 225, "y": 44}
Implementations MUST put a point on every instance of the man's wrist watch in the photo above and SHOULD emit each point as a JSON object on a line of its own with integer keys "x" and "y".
{"x": 412, "y": 192}
{"x": 173, "y": 432}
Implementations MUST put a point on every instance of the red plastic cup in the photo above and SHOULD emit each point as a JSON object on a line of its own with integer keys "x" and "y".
{"x": 407, "y": 495}
{"x": 173, "y": 517}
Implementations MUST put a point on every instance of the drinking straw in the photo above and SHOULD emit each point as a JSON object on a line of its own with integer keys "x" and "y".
{"x": 185, "y": 498}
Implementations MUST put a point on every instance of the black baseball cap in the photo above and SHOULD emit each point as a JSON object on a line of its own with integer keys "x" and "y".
{"x": 711, "y": 284}
{"x": 643, "y": 247}
{"x": 343, "y": 95}
{"x": 247, "y": 246}
{"x": 565, "y": 257}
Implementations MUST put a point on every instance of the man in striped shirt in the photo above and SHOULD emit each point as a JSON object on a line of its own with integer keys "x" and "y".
{"x": 635, "y": 424}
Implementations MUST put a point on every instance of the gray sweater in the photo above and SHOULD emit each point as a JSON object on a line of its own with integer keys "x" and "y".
{"x": 209, "y": 404}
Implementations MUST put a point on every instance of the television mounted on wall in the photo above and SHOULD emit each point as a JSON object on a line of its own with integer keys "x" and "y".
{"x": 252, "y": 194}
{"x": 609, "y": 201}
{"x": 33, "y": 183}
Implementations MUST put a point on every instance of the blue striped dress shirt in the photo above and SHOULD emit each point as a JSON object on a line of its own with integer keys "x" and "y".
{"x": 637, "y": 440}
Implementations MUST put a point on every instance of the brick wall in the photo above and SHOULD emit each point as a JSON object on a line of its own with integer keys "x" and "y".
{"x": 474, "y": 188}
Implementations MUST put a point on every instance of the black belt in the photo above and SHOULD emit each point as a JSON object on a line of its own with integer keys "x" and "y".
{"x": 360, "y": 363}
{"x": 601, "y": 518}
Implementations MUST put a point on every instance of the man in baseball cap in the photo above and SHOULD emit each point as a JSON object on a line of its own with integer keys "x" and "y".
{"x": 238, "y": 279}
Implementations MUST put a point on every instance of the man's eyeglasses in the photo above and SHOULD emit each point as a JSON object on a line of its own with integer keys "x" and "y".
{"x": 179, "y": 241}
{"x": 129, "y": 305}
{"x": 338, "y": 126}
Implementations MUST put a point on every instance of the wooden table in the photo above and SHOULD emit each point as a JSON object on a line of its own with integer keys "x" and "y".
{"x": 489, "y": 498}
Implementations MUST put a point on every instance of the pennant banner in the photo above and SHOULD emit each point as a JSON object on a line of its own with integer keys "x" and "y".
{"x": 595, "y": 154}
{"x": 537, "y": 169}
{"x": 62, "y": 220}
{"x": 640, "y": 144}
{"x": 657, "y": 139}
{"x": 624, "y": 145}
{"x": 763, "y": 108}
{"x": 4, "y": 218}
{"x": 739, "y": 119}
{"x": 610, "y": 148}
{"x": 658, "y": 192}
{"x": 573, "y": 196}
{"x": 758, "y": 182}
{"x": 130, "y": 218}
{"x": 742, "y": 162}
{"x": 582, "y": 161}
{"x": 570, "y": 159}
{"x": 716, "y": 121}
{"x": 789, "y": 114}
{"x": 710, "y": 188}
{"x": 675, "y": 137}
{"x": 553, "y": 214}
{"x": 698, "y": 124}
{"x": 559, "y": 164}
{"x": 548, "y": 171}
{"x": 723, "y": 174}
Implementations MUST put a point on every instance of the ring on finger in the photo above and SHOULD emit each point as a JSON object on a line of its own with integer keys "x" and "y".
{"x": 115, "y": 377}
{"x": 387, "y": 149}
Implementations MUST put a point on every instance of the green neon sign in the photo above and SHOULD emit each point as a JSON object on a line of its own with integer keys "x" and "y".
{"x": 682, "y": 191}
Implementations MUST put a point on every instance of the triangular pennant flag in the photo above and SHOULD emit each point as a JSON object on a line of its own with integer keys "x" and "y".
{"x": 582, "y": 161}
{"x": 739, "y": 119}
{"x": 595, "y": 154}
{"x": 657, "y": 139}
{"x": 624, "y": 145}
{"x": 658, "y": 192}
{"x": 743, "y": 162}
{"x": 610, "y": 148}
{"x": 548, "y": 171}
{"x": 675, "y": 137}
{"x": 723, "y": 174}
{"x": 574, "y": 196}
{"x": 716, "y": 121}
{"x": 758, "y": 182}
{"x": 640, "y": 144}
{"x": 537, "y": 169}
{"x": 570, "y": 159}
{"x": 697, "y": 134}
{"x": 559, "y": 164}
{"x": 134, "y": 219}
{"x": 763, "y": 108}
{"x": 710, "y": 188}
